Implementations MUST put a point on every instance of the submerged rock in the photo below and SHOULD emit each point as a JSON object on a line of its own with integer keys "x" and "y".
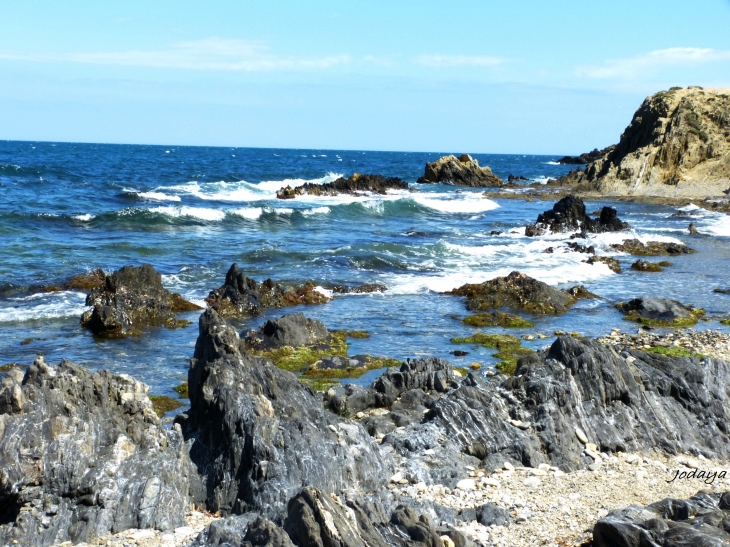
{"x": 652, "y": 248}
{"x": 701, "y": 521}
{"x": 646, "y": 266}
{"x": 241, "y": 296}
{"x": 461, "y": 171}
{"x": 659, "y": 312}
{"x": 83, "y": 455}
{"x": 569, "y": 214}
{"x": 258, "y": 435}
{"x": 517, "y": 290}
{"x": 355, "y": 184}
{"x": 132, "y": 298}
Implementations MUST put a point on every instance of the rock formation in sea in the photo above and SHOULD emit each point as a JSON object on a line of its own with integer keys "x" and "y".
{"x": 677, "y": 145}
{"x": 241, "y": 296}
{"x": 461, "y": 171}
{"x": 355, "y": 184}
{"x": 129, "y": 299}
{"x": 587, "y": 157}
{"x": 569, "y": 215}
{"x": 83, "y": 454}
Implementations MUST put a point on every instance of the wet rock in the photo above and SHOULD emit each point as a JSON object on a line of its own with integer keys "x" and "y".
{"x": 722, "y": 291}
{"x": 293, "y": 330}
{"x": 132, "y": 298}
{"x": 241, "y": 296}
{"x": 462, "y": 171}
{"x": 355, "y": 184}
{"x": 258, "y": 435}
{"x": 87, "y": 281}
{"x": 360, "y": 289}
{"x": 492, "y": 514}
{"x": 659, "y": 312}
{"x": 578, "y": 248}
{"x": 613, "y": 264}
{"x": 646, "y": 266}
{"x": 701, "y": 520}
{"x": 517, "y": 290}
{"x": 88, "y": 453}
{"x": 652, "y": 248}
{"x": 692, "y": 230}
{"x": 497, "y": 319}
{"x": 519, "y": 178}
{"x": 569, "y": 214}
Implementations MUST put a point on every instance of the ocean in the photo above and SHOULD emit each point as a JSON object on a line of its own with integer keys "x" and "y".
{"x": 193, "y": 211}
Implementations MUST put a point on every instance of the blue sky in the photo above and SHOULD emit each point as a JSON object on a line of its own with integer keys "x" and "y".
{"x": 509, "y": 77}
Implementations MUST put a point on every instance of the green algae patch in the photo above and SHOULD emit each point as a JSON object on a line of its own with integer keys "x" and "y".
{"x": 680, "y": 322}
{"x": 163, "y": 404}
{"x": 463, "y": 371}
{"x": 673, "y": 351}
{"x": 510, "y": 348}
{"x": 369, "y": 363}
{"x": 319, "y": 384}
{"x": 182, "y": 390}
{"x": 498, "y": 319}
{"x": 359, "y": 334}
{"x": 9, "y": 366}
{"x": 298, "y": 359}
{"x": 173, "y": 323}
{"x": 26, "y": 341}
{"x": 725, "y": 322}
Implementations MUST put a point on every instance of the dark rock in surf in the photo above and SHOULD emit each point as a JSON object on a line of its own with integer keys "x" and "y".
{"x": 132, "y": 298}
{"x": 569, "y": 214}
{"x": 83, "y": 455}
{"x": 293, "y": 330}
{"x": 461, "y": 171}
{"x": 258, "y": 434}
{"x": 652, "y": 248}
{"x": 659, "y": 312}
{"x": 359, "y": 289}
{"x": 512, "y": 178}
{"x": 241, "y": 296}
{"x": 356, "y": 184}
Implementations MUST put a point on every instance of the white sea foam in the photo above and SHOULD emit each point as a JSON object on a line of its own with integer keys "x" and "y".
{"x": 157, "y": 196}
{"x": 185, "y": 211}
{"x": 43, "y": 306}
{"x": 251, "y": 213}
{"x": 321, "y": 290}
{"x": 463, "y": 203}
{"x": 85, "y": 218}
{"x": 719, "y": 226}
{"x": 316, "y": 211}
{"x": 553, "y": 163}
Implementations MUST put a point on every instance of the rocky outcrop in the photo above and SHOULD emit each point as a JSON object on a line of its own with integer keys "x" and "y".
{"x": 356, "y": 184}
{"x": 701, "y": 520}
{"x": 258, "y": 434}
{"x": 129, "y": 299}
{"x": 652, "y": 248}
{"x": 588, "y": 157}
{"x": 518, "y": 290}
{"x": 569, "y": 215}
{"x": 82, "y": 455}
{"x": 294, "y": 330}
{"x": 461, "y": 171}
{"x": 677, "y": 145}
{"x": 241, "y": 296}
{"x": 659, "y": 312}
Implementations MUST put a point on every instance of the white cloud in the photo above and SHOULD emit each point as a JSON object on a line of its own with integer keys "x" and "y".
{"x": 634, "y": 67}
{"x": 446, "y": 61}
{"x": 207, "y": 54}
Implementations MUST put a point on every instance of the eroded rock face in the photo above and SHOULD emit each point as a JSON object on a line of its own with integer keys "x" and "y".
{"x": 83, "y": 454}
{"x": 676, "y": 145}
{"x": 517, "y": 290}
{"x": 355, "y": 184}
{"x": 129, "y": 299}
{"x": 701, "y": 521}
{"x": 461, "y": 171}
{"x": 259, "y": 435}
{"x": 241, "y": 296}
{"x": 569, "y": 215}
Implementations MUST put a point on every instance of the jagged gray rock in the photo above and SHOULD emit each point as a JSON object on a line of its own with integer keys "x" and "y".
{"x": 258, "y": 435}
{"x": 294, "y": 330}
{"x": 82, "y": 455}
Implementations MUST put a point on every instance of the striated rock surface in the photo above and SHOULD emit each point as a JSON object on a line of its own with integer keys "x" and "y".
{"x": 461, "y": 171}
{"x": 241, "y": 296}
{"x": 258, "y": 435}
{"x": 82, "y": 455}
{"x": 702, "y": 521}
{"x": 518, "y": 290}
{"x": 569, "y": 215}
{"x": 677, "y": 145}
{"x": 129, "y": 299}
{"x": 355, "y": 184}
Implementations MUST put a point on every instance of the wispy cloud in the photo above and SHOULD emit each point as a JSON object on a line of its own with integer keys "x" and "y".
{"x": 446, "y": 61}
{"x": 207, "y": 54}
{"x": 634, "y": 67}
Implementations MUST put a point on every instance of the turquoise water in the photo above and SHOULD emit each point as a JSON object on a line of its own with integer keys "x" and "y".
{"x": 192, "y": 211}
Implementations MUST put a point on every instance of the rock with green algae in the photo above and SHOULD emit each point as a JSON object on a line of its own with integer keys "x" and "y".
{"x": 652, "y": 248}
{"x": 182, "y": 390}
{"x": 646, "y": 266}
{"x": 518, "y": 290}
{"x": 348, "y": 367}
{"x": 659, "y": 312}
{"x": 163, "y": 404}
{"x": 497, "y": 319}
{"x": 510, "y": 349}
{"x": 613, "y": 264}
{"x": 673, "y": 351}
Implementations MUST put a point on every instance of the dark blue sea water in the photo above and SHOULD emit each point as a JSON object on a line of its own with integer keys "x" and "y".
{"x": 193, "y": 211}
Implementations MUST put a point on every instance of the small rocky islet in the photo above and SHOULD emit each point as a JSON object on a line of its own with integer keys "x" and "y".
{"x": 574, "y": 443}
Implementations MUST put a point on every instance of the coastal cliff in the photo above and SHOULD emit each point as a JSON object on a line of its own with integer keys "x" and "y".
{"x": 677, "y": 145}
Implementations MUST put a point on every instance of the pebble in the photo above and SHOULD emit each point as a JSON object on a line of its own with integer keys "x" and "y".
{"x": 466, "y": 484}
{"x": 581, "y": 436}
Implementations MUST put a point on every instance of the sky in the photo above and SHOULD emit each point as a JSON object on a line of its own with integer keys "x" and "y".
{"x": 524, "y": 76}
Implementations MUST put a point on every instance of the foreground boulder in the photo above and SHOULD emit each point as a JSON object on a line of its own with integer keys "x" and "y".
{"x": 701, "y": 521}
{"x": 258, "y": 435}
{"x": 518, "y": 290}
{"x": 241, "y": 296}
{"x": 83, "y": 455}
{"x": 132, "y": 298}
{"x": 357, "y": 183}
{"x": 461, "y": 171}
{"x": 569, "y": 215}
{"x": 659, "y": 312}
